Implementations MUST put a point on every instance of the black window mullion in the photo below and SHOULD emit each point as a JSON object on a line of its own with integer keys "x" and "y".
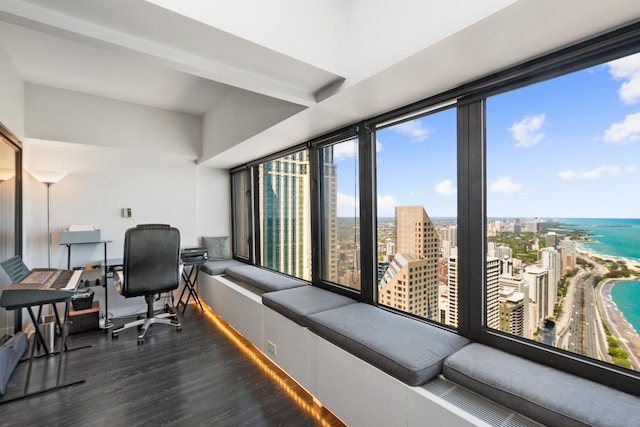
{"x": 368, "y": 223}
{"x": 471, "y": 219}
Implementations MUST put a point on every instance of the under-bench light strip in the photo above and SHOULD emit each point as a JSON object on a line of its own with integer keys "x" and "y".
{"x": 298, "y": 394}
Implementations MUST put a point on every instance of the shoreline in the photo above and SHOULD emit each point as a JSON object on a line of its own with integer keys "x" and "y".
{"x": 619, "y": 326}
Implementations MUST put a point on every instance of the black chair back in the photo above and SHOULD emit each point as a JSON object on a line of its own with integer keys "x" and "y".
{"x": 151, "y": 260}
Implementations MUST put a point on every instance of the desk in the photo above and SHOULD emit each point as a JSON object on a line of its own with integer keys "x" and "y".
{"x": 107, "y": 323}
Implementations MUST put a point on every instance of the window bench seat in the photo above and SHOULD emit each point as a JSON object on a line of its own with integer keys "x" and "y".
{"x": 545, "y": 394}
{"x": 370, "y": 366}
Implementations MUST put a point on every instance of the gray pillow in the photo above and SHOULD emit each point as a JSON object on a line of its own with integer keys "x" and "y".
{"x": 218, "y": 247}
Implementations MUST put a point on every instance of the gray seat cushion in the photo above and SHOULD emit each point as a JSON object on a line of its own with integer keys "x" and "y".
{"x": 263, "y": 279}
{"x": 409, "y": 350}
{"x": 217, "y": 267}
{"x": 540, "y": 392}
{"x": 297, "y": 303}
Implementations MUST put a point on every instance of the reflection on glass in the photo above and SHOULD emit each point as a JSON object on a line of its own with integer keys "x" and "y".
{"x": 241, "y": 209}
{"x": 563, "y": 232}
{"x": 285, "y": 218}
{"x": 340, "y": 212}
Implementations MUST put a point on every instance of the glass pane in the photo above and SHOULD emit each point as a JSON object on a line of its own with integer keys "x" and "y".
{"x": 241, "y": 209}
{"x": 417, "y": 210}
{"x": 7, "y": 221}
{"x": 340, "y": 213}
{"x": 563, "y": 250}
{"x": 285, "y": 218}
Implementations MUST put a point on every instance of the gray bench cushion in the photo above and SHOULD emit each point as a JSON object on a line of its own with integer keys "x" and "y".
{"x": 409, "y": 350}
{"x": 217, "y": 267}
{"x": 263, "y": 279}
{"x": 297, "y": 303}
{"x": 542, "y": 393}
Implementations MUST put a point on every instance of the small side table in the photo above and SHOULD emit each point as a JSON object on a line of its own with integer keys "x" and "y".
{"x": 106, "y": 324}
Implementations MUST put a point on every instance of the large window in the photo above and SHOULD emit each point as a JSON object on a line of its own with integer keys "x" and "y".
{"x": 285, "y": 214}
{"x": 416, "y": 216}
{"x": 563, "y": 229}
{"x": 504, "y": 209}
{"x": 340, "y": 204}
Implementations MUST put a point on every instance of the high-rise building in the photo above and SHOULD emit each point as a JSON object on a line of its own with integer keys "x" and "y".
{"x": 551, "y": 260}
{"x": 493, "y": 291}
{"x": 285, "y": 230}
{"x": 417, "y": 254}
{"x": 330, "y": 216}
{"x": 518, "y": 284}
{"x": 512, "y": 311}
{"x": 406, "y": 286}
{"x": 452, "y": 312}
{"x": 538, "y": 281}
{"x": 570, "y": 247}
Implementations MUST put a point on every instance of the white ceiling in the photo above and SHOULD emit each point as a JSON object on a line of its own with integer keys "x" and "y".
{"x": 339, "y": 60}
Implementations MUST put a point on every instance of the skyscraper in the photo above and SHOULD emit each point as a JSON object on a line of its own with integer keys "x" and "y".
{"x": 412, "y": 277}
{"x": 284, "y": 215}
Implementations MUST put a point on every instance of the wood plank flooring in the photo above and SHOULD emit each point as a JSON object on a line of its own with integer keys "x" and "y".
{"x": 195, "y": 377}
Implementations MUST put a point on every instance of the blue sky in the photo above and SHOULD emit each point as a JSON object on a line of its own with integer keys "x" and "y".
{"x": 568, "y": 147}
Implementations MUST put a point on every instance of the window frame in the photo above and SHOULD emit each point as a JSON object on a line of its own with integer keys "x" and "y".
{"x": 472, "y": 187}
{"x": 470, "y": 99}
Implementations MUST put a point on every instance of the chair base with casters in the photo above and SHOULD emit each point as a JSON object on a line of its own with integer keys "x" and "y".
{"x": 144, "y": 324}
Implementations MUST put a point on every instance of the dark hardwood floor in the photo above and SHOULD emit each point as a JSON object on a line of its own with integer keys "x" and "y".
{"x": 195, "y": 377}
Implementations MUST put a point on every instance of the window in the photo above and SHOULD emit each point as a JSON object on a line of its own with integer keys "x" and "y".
{"x": 416, "y": 212}
{"x": 284, "y": 215}
{"x": 241, "y": 215}
{"x": 562, "y": 232}
{"x": 503, "y": 217}
{"x": 340, "y": 196}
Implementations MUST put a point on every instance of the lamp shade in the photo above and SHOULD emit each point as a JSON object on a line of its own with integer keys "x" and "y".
{"x": 48, "y": 177}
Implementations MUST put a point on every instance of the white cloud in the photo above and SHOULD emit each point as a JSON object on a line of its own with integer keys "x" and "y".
{"x": 627, "y": 69}
{"x": 345, "y": 150}
{"x": 505, "y": 184}
{"x": 625, "y": 131}
{"x": 387, "y": 205}
{"x": 596, "y": 172}
{"x": 414, "y": 129}
{"x": 446, "y": 188}
{"x": 347, "y": 205}
{"x": 527, "y": 131}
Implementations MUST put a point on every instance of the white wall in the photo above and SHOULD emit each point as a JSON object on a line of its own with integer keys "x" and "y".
{"x": 12, "y": 90}
{"x": 62, "y": 115}
{"x": 239, "y": 115}
{"x": 116, "y": 155}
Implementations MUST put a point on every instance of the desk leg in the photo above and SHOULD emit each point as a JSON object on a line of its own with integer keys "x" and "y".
{"x": 106, "y": 324}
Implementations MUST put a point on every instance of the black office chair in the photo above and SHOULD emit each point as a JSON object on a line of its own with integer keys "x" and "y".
{"x": 150, "y": 267}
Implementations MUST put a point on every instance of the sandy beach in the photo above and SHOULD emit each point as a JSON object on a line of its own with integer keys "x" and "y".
{"x": 618, "y": 325}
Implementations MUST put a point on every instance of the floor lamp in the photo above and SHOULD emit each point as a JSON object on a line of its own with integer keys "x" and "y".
{"x": 48, "y": 178}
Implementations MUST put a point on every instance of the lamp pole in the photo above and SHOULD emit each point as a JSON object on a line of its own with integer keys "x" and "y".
{"x": 48, "y": 184}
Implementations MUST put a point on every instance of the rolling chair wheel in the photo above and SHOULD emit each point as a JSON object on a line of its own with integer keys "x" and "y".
{"x": 179, "y": 328}
{"x": 114, "y": 336}
{"x": 140, "y": 341}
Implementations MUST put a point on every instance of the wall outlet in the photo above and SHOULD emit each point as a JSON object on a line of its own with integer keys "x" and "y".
{"x": 271, "y": 348}
{"x": 126, "y": 212}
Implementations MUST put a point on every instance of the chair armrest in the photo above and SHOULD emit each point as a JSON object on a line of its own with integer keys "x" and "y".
{"x": 118, "y": 279}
